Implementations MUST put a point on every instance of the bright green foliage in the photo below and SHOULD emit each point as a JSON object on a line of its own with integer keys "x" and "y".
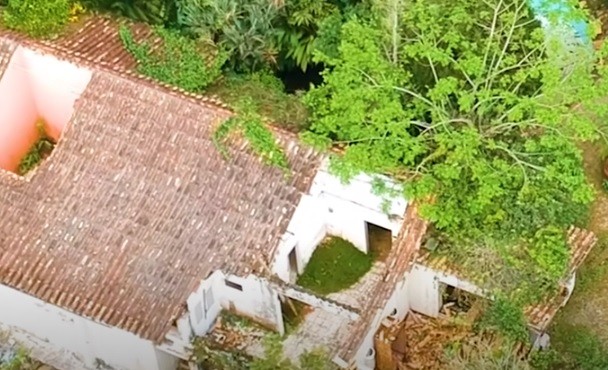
{"x": 37, "y": 18}
{"x": 250, "y": 124}
{"x": 179, "y": 62}
{"x": 20, "y": 361}
{"x": 506, "y": 316}
{"x": 274, "y": 359}
{"x": 269, "y": 95}
{"x": 475, "y": 113}
{"x": 549, "y": 251}
{"x": 41, "y": 149}
{"x": 305, "y": 25}
{"x": 242, "y": 27}
{"x": 335, "y": 265}
{"x": 149, "y": 11}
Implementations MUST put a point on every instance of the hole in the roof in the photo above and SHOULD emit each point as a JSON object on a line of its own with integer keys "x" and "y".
{"x": 37, "y": 96}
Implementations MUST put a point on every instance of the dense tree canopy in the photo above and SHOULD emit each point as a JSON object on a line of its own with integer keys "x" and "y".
{"x": 476, "y": 110}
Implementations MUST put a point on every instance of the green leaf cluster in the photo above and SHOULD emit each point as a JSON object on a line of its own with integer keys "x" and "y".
{"x": 242, "y": 27}
{"x": 273, "y": 358}
{"x": 250, "y": 124}
{"x": 178, "y": 61}
{"x": 478, "y": 112}
{"x": 37, "y": 18}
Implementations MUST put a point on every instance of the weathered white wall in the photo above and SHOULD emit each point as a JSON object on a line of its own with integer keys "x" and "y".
{"x": 257, "y": 301}
{"x": 334, "y": 208}
{"x": 68, "y": 341}
{"x": 423, "y": 291}
{"x": 350, "y": 206}
{"x": 305, "y": 231}
{"x": 399, "y": 302}
{"x": 202, "y": 315}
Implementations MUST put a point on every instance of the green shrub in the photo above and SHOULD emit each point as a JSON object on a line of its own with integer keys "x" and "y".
{"x": 335, "y": 265}
{"x": 268, "y": 94}
{"x": 37, "y": 18}
{"x": 179, "y": 62}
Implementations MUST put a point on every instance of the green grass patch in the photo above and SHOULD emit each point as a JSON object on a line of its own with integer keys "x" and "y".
{"x": 334, "y": 266}
{"x": 577, "y": 347}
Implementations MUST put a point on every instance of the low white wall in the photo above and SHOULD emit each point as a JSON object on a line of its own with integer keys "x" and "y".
{"x": 204, "y": 305}
{"x": 349, "y": 206}
{"x": 423, "y": 291}
{"x": 256, "y": 300}
{"x": 399, "y": 301}
{"x": 305, "y": 231}
{"x": 68, "y": 341}
{"x": 334, "y": 208}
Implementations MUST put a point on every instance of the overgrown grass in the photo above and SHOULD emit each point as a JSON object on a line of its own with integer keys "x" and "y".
{"x": 268, "y": 94}
{"x": 576, "y": 347}
{"x": 334, "y": 266}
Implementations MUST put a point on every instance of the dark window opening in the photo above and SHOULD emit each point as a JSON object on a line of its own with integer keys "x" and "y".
{"x": 454, "y": 300}
{"x": 233, "y": 285}
{"x": 379, "y": 241}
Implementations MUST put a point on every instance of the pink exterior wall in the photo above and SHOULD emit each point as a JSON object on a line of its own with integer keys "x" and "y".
{"x": 17, "y": 114}
{"x": 35, "y": 86}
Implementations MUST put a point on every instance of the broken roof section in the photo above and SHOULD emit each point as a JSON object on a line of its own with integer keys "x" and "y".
{"x": 136, "y": 205}
{"x": 539, "y": 316}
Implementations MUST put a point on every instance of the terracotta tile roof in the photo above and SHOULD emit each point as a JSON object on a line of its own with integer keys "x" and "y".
{"x": 581, "y": 242}
{"x": 135, "y": 205}
{"x": 539, "y": 316}
{"x": 400, "y": 260}
{"x": 95, "y": 43}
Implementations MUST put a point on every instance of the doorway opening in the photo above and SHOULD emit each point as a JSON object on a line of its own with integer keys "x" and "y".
{"x": 379, "y": 241}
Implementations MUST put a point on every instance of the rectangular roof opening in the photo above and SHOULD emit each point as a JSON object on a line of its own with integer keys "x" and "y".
{"x": 37, "y": 96}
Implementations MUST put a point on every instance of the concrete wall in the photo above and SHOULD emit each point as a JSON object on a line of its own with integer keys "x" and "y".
{"x": 423, "y": 291}
{"x": 204, "y": 304}
{"x": 35, "y": 86}
{"x": 55, "y": 85}
{"x": 18, "y": 113}
{"x": 257, "y": 300}
{"x": 68, "y": 341}
{"x": 396, "y": 307}
{"x": 334, "y": 208}
{"x": 350, "y": 206}
{"x": 305, "y": 231}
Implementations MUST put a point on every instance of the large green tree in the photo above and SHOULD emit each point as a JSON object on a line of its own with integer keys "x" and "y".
{"x": 477, "y": 111}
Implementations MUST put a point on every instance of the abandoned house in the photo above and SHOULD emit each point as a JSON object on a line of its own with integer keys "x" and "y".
{"x": 134, "y": 233}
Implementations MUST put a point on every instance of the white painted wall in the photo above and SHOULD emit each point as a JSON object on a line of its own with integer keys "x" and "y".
{"x": 257, "y": 300}
{"x": 350, "y": 206}
{"x": 204, "y": 304}
{"x": 68, "y": 341}
{"x": 423, "y": 291}
{"x": 424, "y": 286}
{"x": 334, "y": 208}
{"x": 398, "y": 301}
{"x": 305, "y": 231}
